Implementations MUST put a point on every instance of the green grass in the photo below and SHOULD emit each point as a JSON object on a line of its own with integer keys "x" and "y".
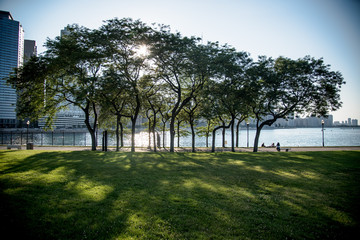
{"x": 96, "y": 195}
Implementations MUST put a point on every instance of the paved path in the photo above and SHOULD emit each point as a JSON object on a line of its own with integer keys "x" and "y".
{"x": 188, "y": 149}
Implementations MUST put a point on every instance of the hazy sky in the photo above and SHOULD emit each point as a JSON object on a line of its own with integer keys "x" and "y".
{"x": 290, "y": 28}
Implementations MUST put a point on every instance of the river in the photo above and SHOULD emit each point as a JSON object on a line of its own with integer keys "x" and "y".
{"x": 292, "y": 137}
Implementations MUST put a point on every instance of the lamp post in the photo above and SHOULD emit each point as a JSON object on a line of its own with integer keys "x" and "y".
{"x": 247, "y": 127}
{"x": 27, "y": 132}
{"x": 322, "y": 129}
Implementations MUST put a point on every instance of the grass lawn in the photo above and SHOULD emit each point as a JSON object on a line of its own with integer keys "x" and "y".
{"x": 96, "y": 195}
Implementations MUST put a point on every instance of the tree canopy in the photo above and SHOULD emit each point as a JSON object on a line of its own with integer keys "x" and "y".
{"x": 127, "y": 68}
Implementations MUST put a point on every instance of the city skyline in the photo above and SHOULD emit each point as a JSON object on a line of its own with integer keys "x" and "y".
{"x": 328, "y": 29}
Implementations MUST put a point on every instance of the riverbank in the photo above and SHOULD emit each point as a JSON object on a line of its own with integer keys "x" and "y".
{"x": 188, "y": 149}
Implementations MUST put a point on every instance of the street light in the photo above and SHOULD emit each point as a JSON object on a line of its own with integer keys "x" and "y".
{"x": 27, "y": 132}
{"x": 247, "y": 127}
{"x": 322, "y": 126}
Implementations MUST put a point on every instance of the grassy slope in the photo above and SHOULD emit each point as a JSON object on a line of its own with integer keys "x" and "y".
{"x": 95, "y": 195}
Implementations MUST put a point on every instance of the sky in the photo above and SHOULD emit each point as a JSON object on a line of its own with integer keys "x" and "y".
{"x": 328, "y": 29}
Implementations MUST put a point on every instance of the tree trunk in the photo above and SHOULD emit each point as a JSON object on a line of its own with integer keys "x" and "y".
{"x": 257, "y": 136}
{"x": 153, "y": 130}
{"x": 178, "y": 134}
{"x": 154, "y": 139}
{"x": 172, "y": 134}
{"x": 223, "y": 137}
{"x": 117, "y": 132}
{"x": 93, "y": 139}
{"x": 258, "y": 130}
{"x": 232, "y": 135}
{"x": 91, "y": 130}
{"x": 164, "y": 135}
{"x": 237, "y": 133}
{"x": 207, "y": 140}
{"x": 192, "y": 137}
{"x": 214, "y": 132}
{"x": 133, "y": 122}
{"x": 213, "y": 140}
{"x": 207, "y": 133}
{"x": 213, "y": 137}
{"x": 149, "y": 132}
{"x": 121, "y": 134}
{"x": 133, "y": 128}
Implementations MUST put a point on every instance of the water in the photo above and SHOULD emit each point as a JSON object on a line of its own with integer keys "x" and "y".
{"x": 293, "y": 137}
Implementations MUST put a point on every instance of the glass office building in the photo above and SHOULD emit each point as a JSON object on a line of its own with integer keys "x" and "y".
{"x": 11, "y": 56}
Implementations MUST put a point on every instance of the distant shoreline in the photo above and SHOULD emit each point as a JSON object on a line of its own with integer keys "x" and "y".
{"x": 81, "y": 130}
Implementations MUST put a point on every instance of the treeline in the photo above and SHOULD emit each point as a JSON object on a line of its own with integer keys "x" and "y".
{"x": 127, "y": 68}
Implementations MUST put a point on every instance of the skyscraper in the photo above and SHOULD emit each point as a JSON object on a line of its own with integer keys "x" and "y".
{"x": 30, "y": 49}
{"x": 11, "y": 56}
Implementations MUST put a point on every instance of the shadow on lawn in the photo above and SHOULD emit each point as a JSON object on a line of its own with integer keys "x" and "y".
{"x": 94, "y": 195}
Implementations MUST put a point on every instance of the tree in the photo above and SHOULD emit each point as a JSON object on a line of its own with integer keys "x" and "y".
{"x": 192, "y": 114}
{"x": 78, "y": 58}
{"x": 69, "y": 72}
{"x": 124, "y": 38}
{"x": 227, "y": 95}
{"x": 239, "y": 119}
{"x": 165, "y": 110}
{"x": 284, "y": 86}
{"x": 213, "y": 108}
{"x": 152, "y": 104}
{"x": 181, "y": 127}
{"x": 33, "y": 101}
{"x": 113, "y": 99}
{"x": 205, "y": 131}
{"x": 183, "y": 65}
{"x": 232, "y": 67}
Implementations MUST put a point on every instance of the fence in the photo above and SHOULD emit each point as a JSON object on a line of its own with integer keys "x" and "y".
{"x": 39, "y": 137}
{"x": 66, "y": 137}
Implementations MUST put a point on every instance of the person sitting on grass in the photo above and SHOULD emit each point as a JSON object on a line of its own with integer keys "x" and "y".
{"x": 278, "y": 147}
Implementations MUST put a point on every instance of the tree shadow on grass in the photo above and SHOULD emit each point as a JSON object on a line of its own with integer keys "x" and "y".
{"x": 94, "y": 195}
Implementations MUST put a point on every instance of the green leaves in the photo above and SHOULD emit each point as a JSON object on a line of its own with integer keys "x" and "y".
{"x": 102, "y": 69}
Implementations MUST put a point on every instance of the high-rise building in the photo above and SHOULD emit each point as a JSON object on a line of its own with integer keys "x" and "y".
{"x": 11, "y": 56}
{"x": 30, "y": 49}
{"x": 354, "y": 122}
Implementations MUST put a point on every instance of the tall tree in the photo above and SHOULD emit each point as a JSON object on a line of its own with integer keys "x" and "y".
{"x": 124, "y": 40}
{"x": 284, "y": 86}
{"x": 152, "y": 104}
{"x": 213, "y": 108}
{"x": 78, "y": 58}
{"x": 183, "y": 65}
{"x": 233, "y": 67}
{"x": 165, "y": 111}
{"x": 69, "y": 72}
{"x": 228, "y": 92}
{"x": 113, "y": 99}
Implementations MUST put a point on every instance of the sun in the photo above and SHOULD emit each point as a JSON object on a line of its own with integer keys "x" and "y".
{"x": 142, "y": 51}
